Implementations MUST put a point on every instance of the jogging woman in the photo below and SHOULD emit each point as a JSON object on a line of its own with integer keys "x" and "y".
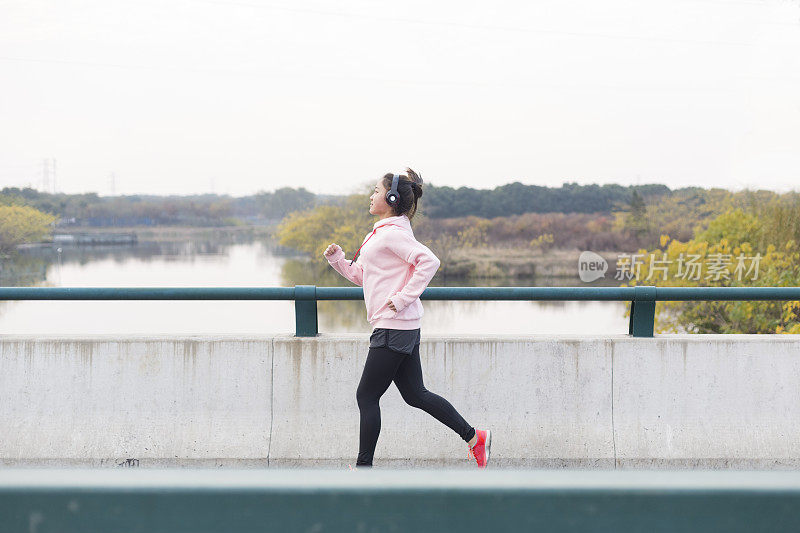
{"x": 394, "y": 268}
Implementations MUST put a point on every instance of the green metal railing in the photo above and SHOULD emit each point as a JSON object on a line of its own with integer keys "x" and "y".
{"x": 643, "y": 298}
{"x": 225, "y": 500}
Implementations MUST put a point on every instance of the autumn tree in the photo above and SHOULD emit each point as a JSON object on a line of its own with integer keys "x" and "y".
{"x": 737, "y": 249}
{"x": 20, "y": 224}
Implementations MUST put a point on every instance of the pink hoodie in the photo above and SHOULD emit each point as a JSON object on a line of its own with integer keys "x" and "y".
{"x": 391, "y": 265}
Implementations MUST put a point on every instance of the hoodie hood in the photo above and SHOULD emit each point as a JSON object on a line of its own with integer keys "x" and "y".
{"x": 400, "y": 220}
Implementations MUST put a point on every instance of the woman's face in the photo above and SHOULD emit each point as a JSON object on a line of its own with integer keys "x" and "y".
{"x": 377, "y": 202}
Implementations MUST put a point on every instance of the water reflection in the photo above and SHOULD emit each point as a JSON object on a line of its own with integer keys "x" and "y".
{"x": 241, "y": 262}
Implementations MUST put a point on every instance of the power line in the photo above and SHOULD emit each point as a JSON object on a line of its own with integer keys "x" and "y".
{"x": 389, "y": 19}
{"x": 396, "y": 81}
{"x": 469, "y": 26}
{"x": 111, "y": 65}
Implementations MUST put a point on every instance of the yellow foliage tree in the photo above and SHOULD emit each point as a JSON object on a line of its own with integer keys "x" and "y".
{"x": 723, "y": 255}
{"x": 543, "y": 242}
{"x": 21, "y": 224}
{"x": 314, "y": 229}
{"x": 474, "y": 234}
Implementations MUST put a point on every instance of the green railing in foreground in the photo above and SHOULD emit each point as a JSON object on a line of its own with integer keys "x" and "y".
{"x": 643, "y": 298}
{"x": 235, "y": 500}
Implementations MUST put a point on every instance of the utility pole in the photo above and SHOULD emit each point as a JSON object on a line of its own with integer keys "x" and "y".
{"x": 45, "y": 174}
{"x": 48, "y": 170}
{"x": 112, "y": 183}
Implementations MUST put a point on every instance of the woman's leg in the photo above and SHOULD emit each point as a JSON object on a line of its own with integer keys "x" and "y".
{"x": 409, "y": 382}
{"x": 379, "y": 369}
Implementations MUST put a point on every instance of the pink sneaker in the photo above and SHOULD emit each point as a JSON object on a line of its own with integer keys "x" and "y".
{"x": 482, "y": 447}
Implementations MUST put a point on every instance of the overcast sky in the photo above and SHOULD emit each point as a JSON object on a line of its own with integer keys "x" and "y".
{"x": 195, "y": 96}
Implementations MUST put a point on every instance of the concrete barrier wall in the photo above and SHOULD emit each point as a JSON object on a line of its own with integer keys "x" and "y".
{"x": 717, "y": 401}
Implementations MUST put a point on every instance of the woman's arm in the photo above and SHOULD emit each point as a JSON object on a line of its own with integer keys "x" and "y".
{"x": 425, "y": 266}
{"x": 354, "y": 272}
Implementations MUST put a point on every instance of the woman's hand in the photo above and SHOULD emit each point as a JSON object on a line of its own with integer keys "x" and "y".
{"x": 391, "y": 305}
{"x": 331, "y": 249}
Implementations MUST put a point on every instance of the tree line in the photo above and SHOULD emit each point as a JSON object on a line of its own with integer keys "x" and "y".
{"x": 90, "y": 209}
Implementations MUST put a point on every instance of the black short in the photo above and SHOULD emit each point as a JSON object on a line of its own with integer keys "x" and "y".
{"x": 399, "y": 340}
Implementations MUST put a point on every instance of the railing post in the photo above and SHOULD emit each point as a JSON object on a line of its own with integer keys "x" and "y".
{"x": 305, "y": 310}
{"x": 643, "y": 311}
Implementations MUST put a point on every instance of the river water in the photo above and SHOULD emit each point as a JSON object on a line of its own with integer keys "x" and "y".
{"x": 244, "y": 261}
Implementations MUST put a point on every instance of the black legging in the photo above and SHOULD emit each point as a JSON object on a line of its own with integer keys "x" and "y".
{"x": 383, "y": 366}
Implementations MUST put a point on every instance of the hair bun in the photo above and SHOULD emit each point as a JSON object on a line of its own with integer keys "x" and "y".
{"x": 416, "y": 188}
